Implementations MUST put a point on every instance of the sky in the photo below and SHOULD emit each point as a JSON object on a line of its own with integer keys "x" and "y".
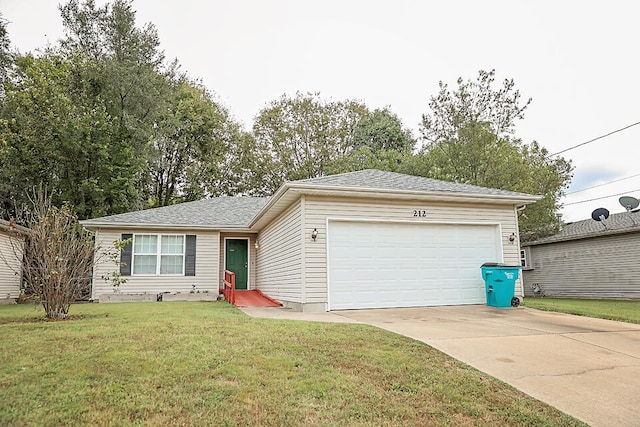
{"x": 577, "y": 60}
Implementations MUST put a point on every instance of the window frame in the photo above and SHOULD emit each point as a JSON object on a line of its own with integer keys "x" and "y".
{"x": 158, "y": 254}
{"x": 523, "y": 258}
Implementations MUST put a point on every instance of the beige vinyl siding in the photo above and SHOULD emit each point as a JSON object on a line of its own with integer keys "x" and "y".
{"x": 10, "y": 266}
{"x": 207, "y": 266}
{"x": 252, "y": 256}
{"x": 279, "y": 259}
{"x": 318, "y": 209}
{"x": 599, "y": 267}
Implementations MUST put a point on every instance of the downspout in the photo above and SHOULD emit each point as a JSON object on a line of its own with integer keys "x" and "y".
{"x": 518, "y": 209}
{"x": 303, "y": 227}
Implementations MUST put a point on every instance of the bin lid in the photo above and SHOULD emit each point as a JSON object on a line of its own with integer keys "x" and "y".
{"x": 499, "y": 264}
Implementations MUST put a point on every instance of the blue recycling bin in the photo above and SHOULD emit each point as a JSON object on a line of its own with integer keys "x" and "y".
{"x": 500, "y": 282}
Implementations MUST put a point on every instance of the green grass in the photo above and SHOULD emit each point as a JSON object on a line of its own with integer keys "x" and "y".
{"x": 209, "y": 364}
{"x": 620, "y": 310}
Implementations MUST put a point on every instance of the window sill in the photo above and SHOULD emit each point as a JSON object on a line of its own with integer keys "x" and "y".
{"x": 157, "y": 275}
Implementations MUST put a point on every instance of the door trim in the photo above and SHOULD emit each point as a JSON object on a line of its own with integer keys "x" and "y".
{"x": 224, "y": 262}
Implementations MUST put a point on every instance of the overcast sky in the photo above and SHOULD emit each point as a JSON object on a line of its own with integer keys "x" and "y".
{"x": 578, "y": 60}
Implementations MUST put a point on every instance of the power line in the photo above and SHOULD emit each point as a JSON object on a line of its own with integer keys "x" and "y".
{"x": 594, "y": 139}
{"x": 600, "y": 198}
{"x": 606, "y": 183}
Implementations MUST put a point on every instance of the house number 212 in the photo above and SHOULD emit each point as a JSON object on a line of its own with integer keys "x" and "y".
{"x": 420, "y": 214}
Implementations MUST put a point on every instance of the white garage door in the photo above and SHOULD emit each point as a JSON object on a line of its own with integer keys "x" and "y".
{"x": 383, "y": 265}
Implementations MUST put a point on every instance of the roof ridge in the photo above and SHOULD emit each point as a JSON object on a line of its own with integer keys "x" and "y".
{"x": 342, "y": 179}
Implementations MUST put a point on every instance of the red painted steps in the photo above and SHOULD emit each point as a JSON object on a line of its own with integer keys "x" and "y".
{"x": 254, "y": 298}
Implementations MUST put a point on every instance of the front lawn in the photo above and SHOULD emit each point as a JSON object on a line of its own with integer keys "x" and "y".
{"x": 210, "y": 364}
{"x": 620, "y": 310}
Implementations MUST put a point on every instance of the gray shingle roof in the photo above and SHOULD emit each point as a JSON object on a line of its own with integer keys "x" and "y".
{"x": 223, "y": 212}
{"x": 372, "y": 178}
{"x": 237, "y": 212}
{"x": 616, "y": 224}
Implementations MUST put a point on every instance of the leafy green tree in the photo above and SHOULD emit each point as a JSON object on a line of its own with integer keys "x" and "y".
{"x": 365, "y": 158}
{"x": 380, "y": 142}
{"x": 298, "y": 136}
{"x": 124, "y": 74}
{"x": 382, "y": 130}
{"x": 6, "y": 54}
{"x": 469, "y": 138}
{"x": 473, "y": 102}
{"x": 192, "y": 136}
{"x": 305, "y": 136}
{"x": 172, "y": 131}
{"x": 240, "y": 170}
{"x": 104, "y": 124}
{"x": 53, "y": 139}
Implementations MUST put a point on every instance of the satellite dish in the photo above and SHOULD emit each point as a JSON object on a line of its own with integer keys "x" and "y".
{"x": 629, "y": 203}
{"x": 600, "y": 214}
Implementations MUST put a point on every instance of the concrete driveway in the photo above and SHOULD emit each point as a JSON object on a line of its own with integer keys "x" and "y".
{"x": 588, "y": 368}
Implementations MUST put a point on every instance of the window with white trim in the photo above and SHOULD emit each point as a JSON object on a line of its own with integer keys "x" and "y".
{"x": 158, "y": 254}
{"x": 523, "y": 258}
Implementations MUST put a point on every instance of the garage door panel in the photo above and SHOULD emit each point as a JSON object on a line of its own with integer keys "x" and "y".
{"x": 376, "y": 265}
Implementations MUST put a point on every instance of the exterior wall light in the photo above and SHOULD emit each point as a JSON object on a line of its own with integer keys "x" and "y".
{"x": 257, "y": 244}
{"x": 512, "y": 238}
{"x": 314, "y": 234}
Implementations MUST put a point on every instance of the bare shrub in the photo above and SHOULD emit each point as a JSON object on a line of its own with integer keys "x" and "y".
{"x": 58, "y": 256}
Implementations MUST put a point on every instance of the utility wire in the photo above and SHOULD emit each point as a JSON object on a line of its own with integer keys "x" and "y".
{"x": 606, "y": 183}
{"x": 600, "y": 198}
{"x": 594, "y": 139}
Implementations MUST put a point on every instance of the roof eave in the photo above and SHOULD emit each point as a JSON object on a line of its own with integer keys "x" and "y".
{"x": 604, "y": 233}
{"x": 9, "y": 227}
{"x": 154, "y": 226}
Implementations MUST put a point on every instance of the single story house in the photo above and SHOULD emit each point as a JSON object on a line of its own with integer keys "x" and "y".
{"x": 587, "y": 259}
{"x": 11, "y": 249}
{"x": 366, "y": 239}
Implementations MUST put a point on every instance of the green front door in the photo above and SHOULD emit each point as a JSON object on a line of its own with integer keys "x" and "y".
{"x": 237, "y": 260}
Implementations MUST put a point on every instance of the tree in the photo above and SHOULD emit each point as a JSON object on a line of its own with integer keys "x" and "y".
{"x": 382, "y": 130}
{"x": 380, "y": 142}
{"x": 104, "y": 124}
{"x": 191, "y": 135}
{"x": 297, "y": 136}
{"x": 122, "y": 72}
{"x": 57, "y": 135}
{"x": 473, "y": 102}
{"x": 170, "y": 130}
{"x": 6, "y": 55}
{"x": 240, "y": 169}
{"x": 469, "y": 138}
{"x": 305, "y": 137}
{"x": 365, "y": 158}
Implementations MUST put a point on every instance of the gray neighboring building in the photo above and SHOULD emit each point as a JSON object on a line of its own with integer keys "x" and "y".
{"x": 587, "y": 260}
{"x": 11, "y": 248}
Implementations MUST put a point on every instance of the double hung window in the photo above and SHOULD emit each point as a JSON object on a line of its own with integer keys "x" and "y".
{"x": 158, "y": 254}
